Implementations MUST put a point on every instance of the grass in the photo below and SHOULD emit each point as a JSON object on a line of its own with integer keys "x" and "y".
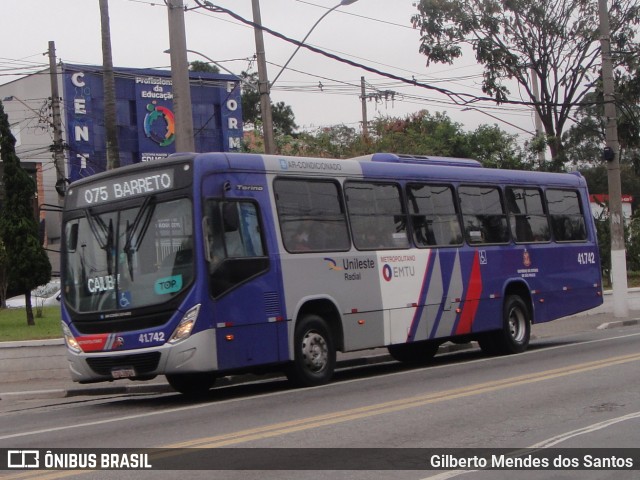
{"x": 13, "y": 324}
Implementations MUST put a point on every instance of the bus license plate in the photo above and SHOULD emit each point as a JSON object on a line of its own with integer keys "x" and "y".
{"x": 127, "y": 372}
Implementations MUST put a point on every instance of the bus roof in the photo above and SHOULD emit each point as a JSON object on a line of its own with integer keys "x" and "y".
{"x": 420, "y": 160}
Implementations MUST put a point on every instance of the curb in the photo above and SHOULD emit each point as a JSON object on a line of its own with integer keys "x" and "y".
{"x": 620, "y": 323}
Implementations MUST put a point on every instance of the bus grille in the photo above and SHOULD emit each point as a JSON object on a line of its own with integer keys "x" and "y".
{"x": 142, "y": 363}
{"x": 126, "y": 324}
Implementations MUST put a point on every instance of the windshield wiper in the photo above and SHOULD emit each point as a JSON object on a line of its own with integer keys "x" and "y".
{"x": 137, "y": 230}
{"x": 103, "y": 235}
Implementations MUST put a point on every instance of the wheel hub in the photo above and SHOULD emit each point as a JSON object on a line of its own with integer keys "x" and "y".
{"x": 315, "y": 351}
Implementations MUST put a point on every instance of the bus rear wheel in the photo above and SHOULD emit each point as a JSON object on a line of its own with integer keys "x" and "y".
{"x": 314, "y": 353}
{"x": 415, "y": 352}
{"x": 515, "y": 333}
{"x": 192, "y": 384}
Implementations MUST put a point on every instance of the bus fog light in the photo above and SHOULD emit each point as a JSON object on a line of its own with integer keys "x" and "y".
{"x": 184, "y": 328}
{"x": 72, "y": 343}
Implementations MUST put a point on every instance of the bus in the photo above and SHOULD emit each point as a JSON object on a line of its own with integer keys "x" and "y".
{"x": 198, "y": 266}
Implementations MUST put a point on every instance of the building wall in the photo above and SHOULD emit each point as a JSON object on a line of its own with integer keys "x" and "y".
{"x": 145, "y": 120}
{"x": 144, "y": 104}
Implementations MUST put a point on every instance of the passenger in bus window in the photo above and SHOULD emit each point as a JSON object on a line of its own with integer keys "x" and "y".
{"x": 301, "y": 242}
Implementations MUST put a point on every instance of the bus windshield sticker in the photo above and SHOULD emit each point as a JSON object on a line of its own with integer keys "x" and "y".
{"x": 167, "y": 285}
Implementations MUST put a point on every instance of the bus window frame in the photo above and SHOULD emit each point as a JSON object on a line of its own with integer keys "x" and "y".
{"x": 229, "y": 264}
{"x": 585, "y": 223}
{"x": 403, "y": 206}
{"x": 456, "y": 215}
{"x": 344, "y": 220}
{"x": 545, "y": 210}
{"x": 499, "y": 188}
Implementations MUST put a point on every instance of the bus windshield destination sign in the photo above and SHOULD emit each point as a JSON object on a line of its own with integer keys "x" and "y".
{"x": 125, "y": 187}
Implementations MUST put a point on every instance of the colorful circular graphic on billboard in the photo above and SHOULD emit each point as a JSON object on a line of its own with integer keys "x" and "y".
{"x": 159, "y": 125}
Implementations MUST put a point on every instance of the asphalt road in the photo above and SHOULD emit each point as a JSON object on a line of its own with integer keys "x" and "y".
{"x": 579, "y": 390}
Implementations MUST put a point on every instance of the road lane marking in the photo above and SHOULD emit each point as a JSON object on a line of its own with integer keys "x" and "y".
{"x": 548, "y": 443}
{"x": 292, "y": 426}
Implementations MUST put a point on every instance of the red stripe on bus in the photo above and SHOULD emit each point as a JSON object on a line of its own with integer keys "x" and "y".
{"x": 472, "y": 298}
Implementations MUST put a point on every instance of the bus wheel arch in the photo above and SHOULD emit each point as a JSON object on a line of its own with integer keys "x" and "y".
{"x": 517, "y": 317}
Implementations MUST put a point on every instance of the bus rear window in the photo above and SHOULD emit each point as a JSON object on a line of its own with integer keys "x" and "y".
{"x": 567, "y": 221}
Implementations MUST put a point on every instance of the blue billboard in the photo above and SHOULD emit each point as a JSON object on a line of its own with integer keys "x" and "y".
{"x": 144, "y": 110}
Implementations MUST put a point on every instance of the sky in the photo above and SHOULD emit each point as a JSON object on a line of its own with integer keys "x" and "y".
{"x": 321, "y": 91}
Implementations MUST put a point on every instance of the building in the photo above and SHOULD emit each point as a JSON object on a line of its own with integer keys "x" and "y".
{"x": 145, "y": 125}
{"x": 600, "y": 202}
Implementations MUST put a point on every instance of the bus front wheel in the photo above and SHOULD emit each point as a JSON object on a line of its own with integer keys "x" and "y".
{"x": 192, "y": 384}
{"x": 314, "y": 353}
{"x": 515, "y": 333}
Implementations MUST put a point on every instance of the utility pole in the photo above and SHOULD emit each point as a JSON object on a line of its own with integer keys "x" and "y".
{"x": 363, "y": 97}
{"x": 109, "y": 87}
{"x": 611, "y": 154}
{"x": 263, "y": 82}
{"x": 56, "y": 122}
{"x": 539, "y": 131}
{"x": 180, "y": 77}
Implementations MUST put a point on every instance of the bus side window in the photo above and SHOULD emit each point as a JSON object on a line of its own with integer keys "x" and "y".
{"x": 567, "y": 219}
{"x": 527, "y": 217}
{"x": 483, "y": 214}
{"x": 377, "y": 216}
{"x": 433, "y": 215}
{"x": 236, "y": 247}
{"x": 311, "y": 215}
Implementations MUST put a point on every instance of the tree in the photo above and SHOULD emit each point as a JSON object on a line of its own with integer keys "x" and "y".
{"x": 421, "y": 134}
{"x": 29, "y": 265}
{"x": 418, "y": 134}
{"x": 283, "y": 118}
{"x": 495, "y": 148}
{"x": 519, "y": 40}
{"x": 198, "y": 66}
{"x": 586, "y": 139}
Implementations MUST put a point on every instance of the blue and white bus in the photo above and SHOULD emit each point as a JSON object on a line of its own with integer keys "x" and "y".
{"x": 202, "y": 265}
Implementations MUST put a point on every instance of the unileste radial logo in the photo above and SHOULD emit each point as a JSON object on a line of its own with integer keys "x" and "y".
{"x": 159, "y": 125}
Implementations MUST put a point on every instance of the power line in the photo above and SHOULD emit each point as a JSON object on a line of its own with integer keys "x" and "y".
{"x": 459, "y": 98}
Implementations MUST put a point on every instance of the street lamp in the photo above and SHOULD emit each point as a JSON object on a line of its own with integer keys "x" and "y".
{"x": 342, "y": 3}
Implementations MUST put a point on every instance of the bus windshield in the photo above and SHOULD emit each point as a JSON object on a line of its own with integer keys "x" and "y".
{"x": 130, "y": 258}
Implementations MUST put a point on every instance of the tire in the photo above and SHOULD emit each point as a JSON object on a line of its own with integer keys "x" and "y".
{"x": 192, "y": 384}
{"x": 314, "y": 353}
{"x": 515, "y": 333}
{"x": 418, "y": 353}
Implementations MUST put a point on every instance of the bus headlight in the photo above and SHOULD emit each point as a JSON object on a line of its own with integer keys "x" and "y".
{"x": 72, "y": 343}
{"x": 183, "y": 330}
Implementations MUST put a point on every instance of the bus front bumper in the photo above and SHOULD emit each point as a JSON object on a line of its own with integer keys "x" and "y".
{"x": 194, "y": 354}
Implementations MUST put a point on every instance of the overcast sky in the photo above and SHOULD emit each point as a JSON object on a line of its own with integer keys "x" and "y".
{"x": 321, "y": 91}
